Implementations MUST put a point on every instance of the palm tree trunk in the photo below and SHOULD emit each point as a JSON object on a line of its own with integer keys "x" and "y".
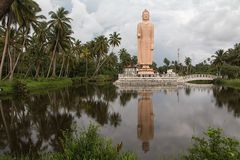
{"x": 66, "y": 72}
{"x": 18, "y": 57}
{"x": 99, "y": 66}
{"x": 97, "y": 69}
{"x": 63, "y": 61}
{"x": 37, "y": 70}
{"x": 53, "y": 55}
{"x": 50, "y": 65}
{"x": 54, "y": 66}
{"x": 27, "y": 71}
{"x": 4, "y": 50}
{"x": 10, "y": 65}
{"x": 4, "y": 120}
{"x": 86, "y": 68}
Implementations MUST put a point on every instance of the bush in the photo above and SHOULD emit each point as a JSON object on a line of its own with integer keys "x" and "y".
{"x": 19, "y": 87}
{"x": 230, "y": 71}
{"x": 214, "y": 147}
{"x": 218, "y": 81}
{"x": 89, "y": 145}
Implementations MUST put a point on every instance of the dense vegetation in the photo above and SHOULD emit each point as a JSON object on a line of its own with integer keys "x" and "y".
{"x": 224, "y": 63}
{"x": 214, "y": 146}
{"x": 31, "y": 46}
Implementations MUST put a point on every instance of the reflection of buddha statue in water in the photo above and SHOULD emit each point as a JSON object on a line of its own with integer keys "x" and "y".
{"x": 145, "y": 119}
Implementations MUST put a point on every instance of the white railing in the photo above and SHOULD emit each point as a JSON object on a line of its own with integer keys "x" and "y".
{"x": 199, "y": 77}
{"x": 122, "y": 78}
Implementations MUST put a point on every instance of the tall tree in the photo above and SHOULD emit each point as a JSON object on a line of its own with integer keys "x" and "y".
{"x": 39, "y": 48}
{"x": 60, "y": 29}
{"x": 101, "y": 48}
{"x": 23, "y": 13}
{"x": 134, "y": 60}
{"x": 188, "y": 62}
{"x": 86, "y": 56}
{"x": 219, "y": 59}
{"x": 114, "y": 40}
{"x": 125, "y": 58}
{"x": 166, "y": 62}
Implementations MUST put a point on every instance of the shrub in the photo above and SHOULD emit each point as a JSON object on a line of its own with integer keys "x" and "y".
{"x": 89, "y": 146}
{"x": 214, "y": 147}
{"x": 230, "y": 71}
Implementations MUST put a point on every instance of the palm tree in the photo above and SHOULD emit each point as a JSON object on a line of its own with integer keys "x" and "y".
{"x": 188, "y": 62}
{"x": 59, "y": 26}
{"x": 40, "y": 35}
{"x": 218, "y": 60}
{"x": 101, "y": 49}
{"x": 125, "y": 57}
{"x": 115, "y": 119}
{"x": 115, "y": 40}
{"x": 22, "y": 13}
{"x": 232, "y": 55}
{"x": 67, "y": 48}
{"x": 86, "y": 55}
{"x": 166, "y": 62}
{"x": 14, "y": 47}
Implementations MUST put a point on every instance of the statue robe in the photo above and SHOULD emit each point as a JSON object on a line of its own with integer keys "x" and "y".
{"x": 145, "y": 34}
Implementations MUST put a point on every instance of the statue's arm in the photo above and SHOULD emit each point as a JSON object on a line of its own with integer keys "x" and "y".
{"x": 152, "y": 38}
{"x": 139, "y": 31}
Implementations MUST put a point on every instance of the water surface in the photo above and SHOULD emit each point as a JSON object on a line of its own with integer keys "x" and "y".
{"x": 152, "y": 122}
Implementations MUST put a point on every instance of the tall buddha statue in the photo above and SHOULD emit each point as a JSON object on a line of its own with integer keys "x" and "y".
{"x": 145, "y": 35}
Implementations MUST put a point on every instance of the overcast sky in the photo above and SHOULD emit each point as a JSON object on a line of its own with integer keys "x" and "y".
{"x": 197, "y": 27}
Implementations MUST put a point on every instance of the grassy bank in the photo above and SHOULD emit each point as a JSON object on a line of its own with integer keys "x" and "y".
{"x": 8, "y": 87}
{"x": 43, "y": 84}
{"x": 233, "y": 83}
{"x": 201, "y": 82}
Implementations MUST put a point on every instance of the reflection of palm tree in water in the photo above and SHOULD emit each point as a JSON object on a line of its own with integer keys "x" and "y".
{"x": 188, "y": 91}
{"x": 145, "y": 128}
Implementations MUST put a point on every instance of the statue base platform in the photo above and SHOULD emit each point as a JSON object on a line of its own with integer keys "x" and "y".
{"x": 146, "y": 81}
{"x": 146, "y": 71}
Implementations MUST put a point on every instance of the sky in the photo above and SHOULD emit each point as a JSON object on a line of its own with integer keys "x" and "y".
{"x": 197, "y": 27}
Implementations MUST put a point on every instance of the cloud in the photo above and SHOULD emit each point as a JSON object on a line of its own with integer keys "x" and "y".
{"x": 198, "y": 28}
{"x": 84, "y": 25}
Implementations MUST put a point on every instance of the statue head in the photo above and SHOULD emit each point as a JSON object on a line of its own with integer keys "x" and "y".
{"x": 145, "y": 15}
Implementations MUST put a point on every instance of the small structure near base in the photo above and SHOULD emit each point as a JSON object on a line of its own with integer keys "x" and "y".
{"x": 145, "y": 71}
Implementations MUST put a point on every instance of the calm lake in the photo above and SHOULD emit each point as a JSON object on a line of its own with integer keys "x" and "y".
{"x": 152, "y": 122}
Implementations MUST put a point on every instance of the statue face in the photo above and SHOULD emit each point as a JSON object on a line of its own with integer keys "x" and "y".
{"x": 145, "y": 16}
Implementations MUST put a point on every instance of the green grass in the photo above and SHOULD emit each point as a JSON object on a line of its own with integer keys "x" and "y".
{"x": 36, "y": 85}
{"x": 47, "y": 84}
{"x": 6, "y": 86}
{"x": 42, "y": 84}
{"x": 201, "y": 82}
{"x": 234, "y": 83}
{"x": 101, "y": 78}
